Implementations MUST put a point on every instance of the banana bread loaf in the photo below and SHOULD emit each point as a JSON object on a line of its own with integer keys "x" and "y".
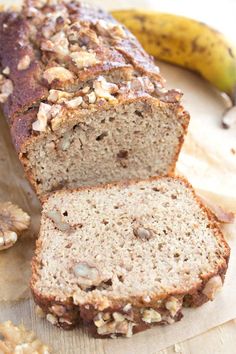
{"x": 84, "y": 102}
{"x": 124, "y": 257}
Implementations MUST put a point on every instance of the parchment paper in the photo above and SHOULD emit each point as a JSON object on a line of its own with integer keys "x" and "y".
{"x": 207, "y": 160}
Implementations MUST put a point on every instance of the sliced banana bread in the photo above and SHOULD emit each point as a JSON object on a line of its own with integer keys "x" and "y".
{"x": 124, "y": 257}
{"x": 85, "y": 103}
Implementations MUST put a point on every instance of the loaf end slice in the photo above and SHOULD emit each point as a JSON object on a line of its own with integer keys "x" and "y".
{"x": 124, "y": 257}
{"x": 85, "y": 103}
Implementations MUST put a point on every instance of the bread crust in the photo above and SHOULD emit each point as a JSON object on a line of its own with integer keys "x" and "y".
{"x": 122, "y": 55}
{"x": 76, "y": 314}
{"x": 15, "y": 43}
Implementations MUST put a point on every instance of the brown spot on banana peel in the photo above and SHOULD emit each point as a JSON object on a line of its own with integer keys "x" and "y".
{"x": 196, "y": 47}
{"x": 140, "y": 18}
{"x": 230, "y": 50}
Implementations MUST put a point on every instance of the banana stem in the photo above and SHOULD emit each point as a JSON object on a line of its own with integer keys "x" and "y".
{"x": 234, "y": 95}
{"x": 229, "y": 116}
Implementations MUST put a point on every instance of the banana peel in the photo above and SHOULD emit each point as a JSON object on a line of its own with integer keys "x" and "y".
{"x": 187, "y": 43}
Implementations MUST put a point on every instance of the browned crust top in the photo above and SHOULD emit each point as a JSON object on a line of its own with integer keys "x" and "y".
{"x": 26, "y": 33}
{"x": 83, "y": 41}
{"x": 14, "y": 45}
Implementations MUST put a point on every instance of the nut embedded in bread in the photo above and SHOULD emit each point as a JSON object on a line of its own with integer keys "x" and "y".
{"x": 85, "y": 103}
{"x": 121, "y": 258}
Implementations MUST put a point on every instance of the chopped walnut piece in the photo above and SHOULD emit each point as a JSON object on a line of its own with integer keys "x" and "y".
{"x": 13, "y": 220}
{"x": 58, "y": 44}
{"x": 84, "y": 59}
{"x": 44, "y": 114}
{"x": 104, "y": 89}
{"x": 52, "y": 319}
{"x": 17, "y": 340}
{"x": 118, "y": 317}
{"x": 57, "y": 121}
{"x": 8, "y": 239}
{"x": 86, "y": 274}
{"x": 111, "y": 29}
{"x": 173, "y": 305}
{"x": 86, "y": 89}
{"x": 87, "y": 37}
{"x": 57, "y": 219}
{"x": 24, "y": 63}
{"x": 119, "y": 325}
{"x": 99, "y": 321}
{"x": 118, "y": 32}
{"x": 58, "y": 73}
{"x": 54, "y": 20}
{"x": 116, "y": 327}
{"x": 63, "y": 320}
{"x": 73, "y": 33}
{"x": 6, "y": 71}
{"x": 169, "y": 96}
{"x": 74, "y": 103}
{"x": 58, "y": 310}
{"x": 127, "y": 307}
{"x": 142, "y": 84}
{"x": 92, "y": 97}
{"x": 55, "y": 110}
{"x": 6, "y": 88}
{"x": 57, "y": 96}
{"x": 151, "y": 316}
{"x": 212, "y": 287}
{"x": 3, "y": 97}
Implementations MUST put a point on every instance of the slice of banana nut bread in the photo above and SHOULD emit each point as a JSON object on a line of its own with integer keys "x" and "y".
{"x": 124, "y": 257}
{"x": 85, "y": 103}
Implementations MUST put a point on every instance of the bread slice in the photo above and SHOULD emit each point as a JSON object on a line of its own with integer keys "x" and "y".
{"x": 85, "y": 103}
{"x": 124, "y": 257}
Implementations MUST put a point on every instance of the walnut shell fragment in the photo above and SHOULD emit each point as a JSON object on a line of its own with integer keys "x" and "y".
{"x": 19, "y": 340}
{"x": 13, "y": 220}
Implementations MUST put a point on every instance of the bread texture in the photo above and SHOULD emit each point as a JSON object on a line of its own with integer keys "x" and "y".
{"x": 123, "y": 257}
{"x": 85, "y": 103}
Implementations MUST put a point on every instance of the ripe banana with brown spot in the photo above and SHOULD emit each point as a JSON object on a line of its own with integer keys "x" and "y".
{"x": 187, "y": 43}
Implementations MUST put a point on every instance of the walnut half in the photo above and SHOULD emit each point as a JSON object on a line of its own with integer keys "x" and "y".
{"x": 13, "y": 220}
{"x": 19, "y": 340}
{"x": 212, "y": 287}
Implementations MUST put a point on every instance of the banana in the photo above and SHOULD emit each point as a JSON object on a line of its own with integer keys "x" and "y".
{"x": 187, "y": 43}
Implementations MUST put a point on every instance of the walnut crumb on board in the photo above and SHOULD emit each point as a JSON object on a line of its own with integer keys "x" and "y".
{"x": 13, "y": 220}
{"x": 177, "y": 348}
{"x": 18, "y": 340}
